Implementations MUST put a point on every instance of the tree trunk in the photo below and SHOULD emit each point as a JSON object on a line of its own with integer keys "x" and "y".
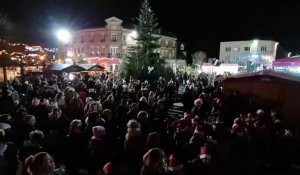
{"x": 4, "y": 73}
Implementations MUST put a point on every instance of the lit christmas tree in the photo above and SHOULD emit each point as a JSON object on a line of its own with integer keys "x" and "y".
{"x": 143, "y": 62}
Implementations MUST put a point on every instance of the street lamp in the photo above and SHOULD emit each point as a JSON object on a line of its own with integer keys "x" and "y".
{"x": 64, "y": 36}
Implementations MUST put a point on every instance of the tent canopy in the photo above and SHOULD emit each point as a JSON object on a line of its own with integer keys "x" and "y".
{"x": 66, "y": 68}
{"x": 92, "y": 67}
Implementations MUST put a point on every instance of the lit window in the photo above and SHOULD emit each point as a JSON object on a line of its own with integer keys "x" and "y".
{"x": 228, "y": 49}
{"x": 92, "y": 38}
{"x": 113, "y": 50}
{"x": 113, "y": 37}
{"x": 263, "y": 48}
{"x": 247, "y": 49}
{"x": 236, "y": 49}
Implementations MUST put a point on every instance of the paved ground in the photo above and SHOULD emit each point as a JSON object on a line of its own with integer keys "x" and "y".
{"x": 177, "y": 109}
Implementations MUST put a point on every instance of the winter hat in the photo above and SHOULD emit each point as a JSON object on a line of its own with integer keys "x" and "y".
{"x": 98, "y": 131}
{"x": 204, "y": 153}
{"x": 88, "y": 99}
{"x": 107, "y": 169}
{"x": 174, "y": 164}
{"x": 198, "y": 101}
{"x": 237, "y": 121}
{"x": 260, "y": 112}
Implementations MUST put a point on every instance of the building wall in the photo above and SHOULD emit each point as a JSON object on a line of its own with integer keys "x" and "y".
{"x": 262, "y": 51}
{"x": 97, "y": 42}
{"x": 168, "y": 47}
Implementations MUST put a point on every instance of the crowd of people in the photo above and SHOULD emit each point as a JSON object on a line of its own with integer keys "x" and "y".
{"x": 99, "y": 125}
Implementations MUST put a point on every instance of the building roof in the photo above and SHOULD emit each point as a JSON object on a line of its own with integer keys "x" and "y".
{"x": 113, "y": 19}
{"x": 247, "y": 41}
{"x": 125, "y": 25}
{"x": 282, "y": 75}
{"x": 169, "y": 34}
{"x": 92, "y": 67}
{"x": 66, "y": 68}
{"x": 131, "y": 26}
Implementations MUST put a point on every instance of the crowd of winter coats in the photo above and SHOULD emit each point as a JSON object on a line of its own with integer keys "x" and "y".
{"x": 104, "y": 126}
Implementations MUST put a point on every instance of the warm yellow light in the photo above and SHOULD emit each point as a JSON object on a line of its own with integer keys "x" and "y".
{"x": 42, "y": 57}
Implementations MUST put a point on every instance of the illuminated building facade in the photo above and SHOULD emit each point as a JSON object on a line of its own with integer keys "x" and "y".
{"x": 113, "y": 41}
{"x": 251, "y": 55}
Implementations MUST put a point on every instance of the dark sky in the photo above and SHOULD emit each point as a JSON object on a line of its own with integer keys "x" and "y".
{"x": 201, "y": 24}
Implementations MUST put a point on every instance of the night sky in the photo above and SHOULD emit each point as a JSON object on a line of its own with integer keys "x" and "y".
{"x": 201, "y": 24}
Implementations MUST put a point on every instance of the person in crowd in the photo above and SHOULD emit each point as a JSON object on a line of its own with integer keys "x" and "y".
{"x": 154, "y": 162}
{"x": 5, "y": 124}
{"x": 187, "y": 99}
{"x": 175, "y": 166}
{"x": 204, "y": 163}
{"x": 75, "y": 147}
{"x": 161, "y": 111}
{"x": 142, "y": 104}
{"x": 14, "y": 95}
{"x": 133, "y": 111}
{"x": 6, "y": 102}
{"x": 42, "y": 164}
{"x": 76, "y": 107}
{"x": 153, "y": 141}
{"x": 143, "y": 119}
{"x": 99, "y": 149}
{"x": 109, "y": 103}
{"x": 197, "y": 109}
{"x": 8, "y": 156}
{"x": 133, "y": 145}
{"x": 121, "y": 116}
{"x": 27, "y": 126}
{"x": 33, "y": 145}
{"x": 114, "y": 167}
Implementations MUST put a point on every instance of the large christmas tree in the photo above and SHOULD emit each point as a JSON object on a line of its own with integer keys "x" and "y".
{"x": 143, "y": 62}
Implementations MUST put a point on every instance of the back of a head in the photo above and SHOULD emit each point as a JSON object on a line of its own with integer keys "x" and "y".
{"x": 2, "y": 136}
{"x": 32, "y": 163}
{"x": 36, "y": 136}
{"x": 142, "y": 116}
{"x": 107, "y": 115}
{"x": 75, "y": 123}
{"x": 155, "y": 159}
{"x": 132, "y": 124}
{"x": 153, "y": 140}
{"x": 4, "y": 118}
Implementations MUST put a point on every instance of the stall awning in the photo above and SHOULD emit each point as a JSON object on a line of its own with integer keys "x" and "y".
{"x": 92, "y": 67}
{"x": 66, "y": 68}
